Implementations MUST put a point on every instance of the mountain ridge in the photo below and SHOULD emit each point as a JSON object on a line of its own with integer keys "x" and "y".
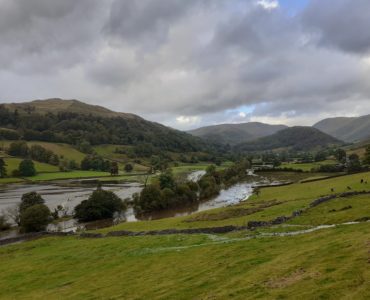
{"x": 349, "y": 129}
{"x": 295, "y": 138}
{"x": 234, "y": 134}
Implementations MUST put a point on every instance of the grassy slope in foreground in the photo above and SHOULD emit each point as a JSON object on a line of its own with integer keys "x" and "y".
{"x": 327, "y": 264}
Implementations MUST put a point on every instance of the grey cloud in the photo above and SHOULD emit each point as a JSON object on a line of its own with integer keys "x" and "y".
{"x": 202, "y": 59}
{"x": 145, "y": 21}
{"x": 341, "y": 23}
{"x": 38, "y": 35}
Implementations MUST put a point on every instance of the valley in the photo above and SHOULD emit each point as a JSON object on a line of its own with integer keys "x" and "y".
{"x": 280, "y": 215}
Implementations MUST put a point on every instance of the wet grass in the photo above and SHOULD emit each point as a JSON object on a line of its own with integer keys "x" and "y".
{"x": 68, "y": 175}
{"x": 330, "y": 263}
{"x": 327, "y": 264}
{"x": 291, "y": 197}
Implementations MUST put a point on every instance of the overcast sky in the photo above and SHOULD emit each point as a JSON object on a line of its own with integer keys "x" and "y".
{"x": 189, "y": 63}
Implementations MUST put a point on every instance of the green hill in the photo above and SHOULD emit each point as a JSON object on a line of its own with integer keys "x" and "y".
{"x": 346, "y": 129}
{"x": 71, "y": 121}
{"x": 233, "y": 134}
{"x": 296, "y": 138}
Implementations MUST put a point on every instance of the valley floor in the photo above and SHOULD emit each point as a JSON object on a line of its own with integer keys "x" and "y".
{"x": 332, "y": 262}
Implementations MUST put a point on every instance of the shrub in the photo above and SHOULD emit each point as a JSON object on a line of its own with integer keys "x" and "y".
{"x": 18, "y": 148}
{"x": 3, "y": 172}
{"x": 27, "y": 168}
{"x": 30, "y": 199}
{"x": 150, "y": 199}
{"x": 128, "y": 167}
{"x": 4, "y": 225}
{"x": 100, "y": 205}
{"x": 166, "y": 180}
{"x": 35, "y": 218}
{"x": 208, "y": 187}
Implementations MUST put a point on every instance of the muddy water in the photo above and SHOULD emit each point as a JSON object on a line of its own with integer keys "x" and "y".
{"x": 54, "y": 195}
{"x": 72, "y": 195}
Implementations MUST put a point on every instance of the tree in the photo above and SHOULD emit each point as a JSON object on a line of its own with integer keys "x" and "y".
{"x": 367, "y": 156}
{"x": 2, "y": 168}
{"x": 4, "y": 225}
{"x": 128, "y": 167}
{"x": 320, "y": 156}
{"x": 18, "y": 148}
{"x": 100, "y": 205}
{"x": 30, "y": 199}
{"x": 340, "y": 155}
{"x": 166, "y": 180}
{"x": 27, "y": 168}
{"x": 149, "y": 199}
{"x": 114, "y": 170}
{"x": 35, "y": 218}
{"x": 354, "y": 164}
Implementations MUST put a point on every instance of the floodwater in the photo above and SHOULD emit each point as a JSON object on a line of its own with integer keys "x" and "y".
{"x": 69, "y": 196}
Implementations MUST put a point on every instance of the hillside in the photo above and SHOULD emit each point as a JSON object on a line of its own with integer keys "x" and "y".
{"x": 71, "y": 121}
{"x": 346, "y": 129}
{"x": 296, "y": 138}
{"x": 236, "y": 133}
{"x": 57, "y": 105}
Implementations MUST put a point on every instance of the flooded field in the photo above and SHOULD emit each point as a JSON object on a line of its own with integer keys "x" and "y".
{"x": 69, "y": 196}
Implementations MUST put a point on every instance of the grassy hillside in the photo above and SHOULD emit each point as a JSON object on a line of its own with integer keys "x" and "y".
{"x": 346, "y": 129}
{"x": 13, "y": 164}
{"x": 62, "y": 150}
{"x": 327, "y": 263}
{"x": 236, "y": 133}
{"x": 297, "y": 138}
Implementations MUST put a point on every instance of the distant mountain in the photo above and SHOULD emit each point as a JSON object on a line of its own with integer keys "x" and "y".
{"x": 236, "y": 133}
{"x": 296, "y": 138}
{"x": 57, "y": 105}
{"x": 72, "y": 121}
{"x": 346, "y": 129}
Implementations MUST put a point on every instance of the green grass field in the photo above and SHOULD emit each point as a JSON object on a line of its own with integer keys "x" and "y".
{"x": 307, "y": 167}
{"x": 330, "y": 263}
{"x": 13, "y": 164}
{"x": 62, "y": 150}
{"x": 68, "y": 175}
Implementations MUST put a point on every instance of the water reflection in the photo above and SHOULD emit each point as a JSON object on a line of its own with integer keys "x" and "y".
{"x": 70, "y": 196}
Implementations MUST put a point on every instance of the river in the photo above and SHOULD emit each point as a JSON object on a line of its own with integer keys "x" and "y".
{"x": 69, "y": 195}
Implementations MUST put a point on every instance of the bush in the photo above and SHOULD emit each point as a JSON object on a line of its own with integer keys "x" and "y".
{"x": 208, "y": 187}
{"x": 3, "y": 171}
{"x": 27, "y": 168}
{"x": 128, "y": 167}
{"x": 30, "y": 199}
{"x": 4, "y": 225}
{"x": 100, "y": 205}
{"x": 150, "y": 199}
{"x": 19, "y": 148}
{"x": 35, "y": 218}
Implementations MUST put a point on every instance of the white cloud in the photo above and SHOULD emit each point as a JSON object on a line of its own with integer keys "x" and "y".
{"x": 268, "y": 4}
